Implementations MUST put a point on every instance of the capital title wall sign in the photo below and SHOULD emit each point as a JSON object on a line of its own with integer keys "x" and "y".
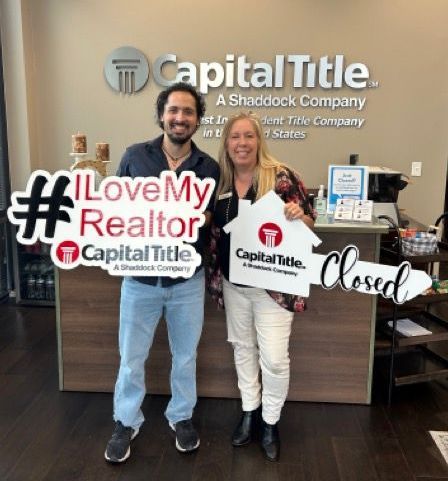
{"x": 315, "y": 84}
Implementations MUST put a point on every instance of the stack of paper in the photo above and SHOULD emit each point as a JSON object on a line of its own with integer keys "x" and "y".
{"x": 409, "y": 328}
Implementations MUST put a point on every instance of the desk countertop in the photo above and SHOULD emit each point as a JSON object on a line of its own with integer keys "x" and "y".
{"x": 328, "y": 224}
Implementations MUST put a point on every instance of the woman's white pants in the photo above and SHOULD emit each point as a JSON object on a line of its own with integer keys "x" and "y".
{"x": 259, "y": 330}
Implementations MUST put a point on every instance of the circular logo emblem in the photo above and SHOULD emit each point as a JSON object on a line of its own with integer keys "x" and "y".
{"x": 67, "y": 252}
{"x": 126, "y": 70}
{"x": 270, "y": 234}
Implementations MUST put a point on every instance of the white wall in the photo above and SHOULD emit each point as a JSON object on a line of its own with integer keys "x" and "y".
{"x": 18, "y": 122}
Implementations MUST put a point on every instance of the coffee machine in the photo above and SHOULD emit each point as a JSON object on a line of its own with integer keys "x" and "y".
{"x": 384, "y": 187}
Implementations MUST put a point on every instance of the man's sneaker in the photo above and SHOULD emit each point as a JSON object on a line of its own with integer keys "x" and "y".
{"x": 187, "y": 438}
{"x": 119, "y": 446}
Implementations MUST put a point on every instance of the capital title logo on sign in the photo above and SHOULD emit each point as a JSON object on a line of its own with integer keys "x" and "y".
{"x": 300, "y": 70}
{"x": 126, "y": 70}
{"x": 270, "y": 234}
{"x": 139, "y": 227}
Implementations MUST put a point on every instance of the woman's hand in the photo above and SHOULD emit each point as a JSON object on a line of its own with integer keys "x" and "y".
{"x": 295, "y": 211}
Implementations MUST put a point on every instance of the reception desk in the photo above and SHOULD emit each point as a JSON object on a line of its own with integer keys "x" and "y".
{"x": 331, "y": 346}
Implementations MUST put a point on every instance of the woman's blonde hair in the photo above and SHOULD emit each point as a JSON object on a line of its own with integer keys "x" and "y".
{"x": 267, "y": 166}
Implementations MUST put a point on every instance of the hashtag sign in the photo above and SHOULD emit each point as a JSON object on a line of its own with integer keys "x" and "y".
{"x": 39, "y": 206}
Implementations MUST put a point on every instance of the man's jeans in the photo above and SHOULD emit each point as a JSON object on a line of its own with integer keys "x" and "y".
{"x": 141, "y": 307}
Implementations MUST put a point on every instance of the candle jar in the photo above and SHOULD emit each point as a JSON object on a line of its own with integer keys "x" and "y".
{"x": 102, "y": 151}
{"x": 79, "y": 143}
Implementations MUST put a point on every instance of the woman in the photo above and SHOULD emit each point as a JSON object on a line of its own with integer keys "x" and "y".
{"x": 258, "y": 321}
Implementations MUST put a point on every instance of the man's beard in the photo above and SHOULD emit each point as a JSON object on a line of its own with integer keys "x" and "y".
{"x": 182, "y": 139}
{"x": 178, "y": 140}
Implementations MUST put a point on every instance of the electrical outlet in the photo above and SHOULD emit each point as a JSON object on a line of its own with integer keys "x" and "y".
{"x": 416, "y": 170}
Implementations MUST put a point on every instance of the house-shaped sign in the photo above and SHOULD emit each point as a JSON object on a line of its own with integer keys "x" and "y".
{"x": 269, "y": 251}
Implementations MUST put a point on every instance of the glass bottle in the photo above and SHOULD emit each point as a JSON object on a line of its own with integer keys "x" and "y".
{"x": 49, "y": 288}
{"x": 40, "y": 288}
{"x": 30, "y": 287}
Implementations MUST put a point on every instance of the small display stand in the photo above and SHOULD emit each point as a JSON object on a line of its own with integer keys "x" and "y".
{"x": 81, "y": 161}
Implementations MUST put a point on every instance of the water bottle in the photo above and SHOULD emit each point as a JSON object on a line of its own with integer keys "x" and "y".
{"x": 40, "y": 288}
{"x": 49, "y": 288}
{"x": 31, "y": 287}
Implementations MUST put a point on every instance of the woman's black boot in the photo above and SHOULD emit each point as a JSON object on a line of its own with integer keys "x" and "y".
{"x": 270, "y": 441}
{"x": 246, "y": 428}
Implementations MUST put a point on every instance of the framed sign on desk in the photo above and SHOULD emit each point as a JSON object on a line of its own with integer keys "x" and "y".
{"x": 346, "y": 182}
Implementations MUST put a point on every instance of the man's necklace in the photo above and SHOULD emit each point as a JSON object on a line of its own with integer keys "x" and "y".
{"x": 173, "y": 158}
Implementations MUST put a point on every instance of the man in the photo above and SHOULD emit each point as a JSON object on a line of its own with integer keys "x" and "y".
{"x": 144, "y": 299}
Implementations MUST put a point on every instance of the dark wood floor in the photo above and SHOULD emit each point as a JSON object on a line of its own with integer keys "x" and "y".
{"x": 60, "y": 436}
